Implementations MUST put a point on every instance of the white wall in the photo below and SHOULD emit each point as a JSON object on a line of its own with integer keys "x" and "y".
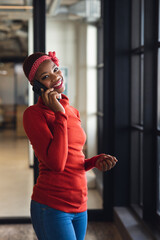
{"x": 61, "y": 37}
{"x": 91, "y": 94}
{"x": 81, "y": 90}
{"x": 30, "y": 51}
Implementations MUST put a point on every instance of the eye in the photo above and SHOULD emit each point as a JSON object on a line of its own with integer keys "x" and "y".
{"x": 46, "y": 76}
{"x": 56, "y": 69}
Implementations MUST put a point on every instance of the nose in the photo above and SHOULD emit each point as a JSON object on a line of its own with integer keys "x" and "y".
{"x": 54, "y": 77}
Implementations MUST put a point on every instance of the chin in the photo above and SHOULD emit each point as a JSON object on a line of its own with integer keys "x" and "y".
{"x": 61, "y": 90}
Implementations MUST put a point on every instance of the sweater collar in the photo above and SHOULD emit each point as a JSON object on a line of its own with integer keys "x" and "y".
{"x": 64, "y": 101}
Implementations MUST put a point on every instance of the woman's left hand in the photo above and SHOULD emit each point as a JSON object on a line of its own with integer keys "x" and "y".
{"x": 105, "y": 162}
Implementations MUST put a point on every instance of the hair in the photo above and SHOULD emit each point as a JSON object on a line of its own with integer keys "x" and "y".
{"x": 29, "y": 61}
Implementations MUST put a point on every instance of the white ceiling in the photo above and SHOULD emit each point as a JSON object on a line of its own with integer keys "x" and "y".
{"x": 17, "y": 13}
{"x": 13, "y": 22}
{"x": 6, "y": 2}
{"x": 54, "y": 8}
{"x": 69, "y": 2}
{"x": 15, "y": 2}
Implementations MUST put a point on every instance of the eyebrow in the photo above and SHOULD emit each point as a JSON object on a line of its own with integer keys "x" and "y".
{"x": 47, "y": 72}
{"x": 43, "y": 73}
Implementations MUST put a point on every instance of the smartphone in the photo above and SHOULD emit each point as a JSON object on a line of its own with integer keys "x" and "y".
{"x": 37, "y": 87}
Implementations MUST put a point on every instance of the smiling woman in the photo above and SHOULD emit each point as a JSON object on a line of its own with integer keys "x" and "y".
{"x": 54, "y": 129}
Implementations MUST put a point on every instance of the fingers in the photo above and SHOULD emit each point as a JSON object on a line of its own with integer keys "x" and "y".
{"x": 49, "y": 95}
{"x": 106, "y": 162}
{"x": 106, "y": 166}
{"x": 111, "y": 160}
{"x": 50, "y": 99}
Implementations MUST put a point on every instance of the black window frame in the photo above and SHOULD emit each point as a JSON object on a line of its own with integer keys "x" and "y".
{"x": 137, "y": 102}
{"x": 146, "y": 207}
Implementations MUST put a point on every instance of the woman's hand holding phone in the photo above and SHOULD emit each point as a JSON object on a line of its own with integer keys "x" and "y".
{"x": 50, "y": 98}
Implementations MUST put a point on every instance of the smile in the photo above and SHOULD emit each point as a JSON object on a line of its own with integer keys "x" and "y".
{"x": 58, "y": 84}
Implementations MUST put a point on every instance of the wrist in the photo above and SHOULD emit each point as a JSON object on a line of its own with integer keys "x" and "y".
{"x": 58, "y": 109}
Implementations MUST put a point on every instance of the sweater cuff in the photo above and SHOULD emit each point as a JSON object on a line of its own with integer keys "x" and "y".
{"x": 90, "y": 163}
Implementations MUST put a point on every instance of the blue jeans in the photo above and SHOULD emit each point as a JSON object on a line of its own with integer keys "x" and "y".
{"x": 52, "y": 224}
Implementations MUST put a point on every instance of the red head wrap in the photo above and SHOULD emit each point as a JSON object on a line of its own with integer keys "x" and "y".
{"x": 32, "y": 63}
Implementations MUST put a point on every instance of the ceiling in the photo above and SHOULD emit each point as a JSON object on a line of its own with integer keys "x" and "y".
{"x": 14, "y": 15}
{"x": 22, "y": 9}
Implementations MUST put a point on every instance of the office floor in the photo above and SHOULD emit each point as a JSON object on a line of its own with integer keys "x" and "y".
{"x": 16, "y": 178}
{"x": 95, "y": 231}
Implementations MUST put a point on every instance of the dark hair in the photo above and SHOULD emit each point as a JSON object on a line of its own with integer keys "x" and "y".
{"x": 29, "y": 61}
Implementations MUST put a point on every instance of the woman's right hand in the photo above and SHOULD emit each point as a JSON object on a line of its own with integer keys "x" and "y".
{"x": 50, "y": 99}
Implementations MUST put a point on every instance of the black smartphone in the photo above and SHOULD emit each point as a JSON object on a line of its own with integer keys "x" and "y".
{"x": 37, "y": 87}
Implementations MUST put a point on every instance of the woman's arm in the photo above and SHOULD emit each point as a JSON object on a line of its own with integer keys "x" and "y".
{"x": 50, "y": 145}
{"x": 90, "y": 162}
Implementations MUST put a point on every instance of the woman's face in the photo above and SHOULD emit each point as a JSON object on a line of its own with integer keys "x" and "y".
{"x": 50, "y": 76}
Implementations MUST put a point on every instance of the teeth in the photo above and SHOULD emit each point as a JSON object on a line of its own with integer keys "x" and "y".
{"x": 58, "y": 84}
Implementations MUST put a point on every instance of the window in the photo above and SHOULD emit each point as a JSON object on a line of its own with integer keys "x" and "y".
{"x": 137, "y": 96}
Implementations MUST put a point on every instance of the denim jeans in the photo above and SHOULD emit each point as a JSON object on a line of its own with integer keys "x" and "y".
{"x": 52, "y": 224}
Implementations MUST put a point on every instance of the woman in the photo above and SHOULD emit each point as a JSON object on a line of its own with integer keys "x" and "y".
{"x": 59, "y": 199}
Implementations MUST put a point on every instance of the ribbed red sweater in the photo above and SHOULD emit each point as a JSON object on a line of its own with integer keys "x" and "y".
{"x": 57, "y": 140}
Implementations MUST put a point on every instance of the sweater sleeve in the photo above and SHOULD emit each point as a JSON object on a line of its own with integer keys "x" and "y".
{"x": 50, "y": 145}
{"x": 90, "y": 162}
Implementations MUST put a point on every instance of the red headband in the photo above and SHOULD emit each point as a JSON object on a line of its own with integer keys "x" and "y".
{"x": 51, "y": 55}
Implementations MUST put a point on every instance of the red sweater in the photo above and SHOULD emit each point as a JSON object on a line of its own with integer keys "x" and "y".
{"x": 57, "y": 140}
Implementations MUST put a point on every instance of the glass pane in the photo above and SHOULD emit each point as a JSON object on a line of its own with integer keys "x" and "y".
{"x": 159, "y": 22}
{"x": 135, "y": 159}
{"x": 136, "y": 169}
{"x": 100, "y": 90}
{"x": 136, "y": 24}
{"x": 135, "y": 89}
{"x": 142, "y": 22}
{"x": 100, "y": 134}
{"x": 141, "y": 88}
{"x": 158, "y": 92}
{"x": 16, "y": 174}
{"x": 141, "y": 169}
{"x": 100, "y": 45}
{"x": 158, "y": 175}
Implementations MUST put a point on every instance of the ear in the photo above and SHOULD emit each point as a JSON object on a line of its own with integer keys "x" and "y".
{"x": 32, "y": 82}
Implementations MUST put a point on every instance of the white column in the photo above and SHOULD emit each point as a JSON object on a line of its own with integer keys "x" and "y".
{"x": 91, "y": 90}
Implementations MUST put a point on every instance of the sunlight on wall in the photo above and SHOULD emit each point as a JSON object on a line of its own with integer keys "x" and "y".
{"x": 91, "y": 90}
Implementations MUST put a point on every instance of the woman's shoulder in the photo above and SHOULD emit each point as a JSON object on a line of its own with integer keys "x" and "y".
{"x": 74, "y": 110}
{"x": 32, "y": 110}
